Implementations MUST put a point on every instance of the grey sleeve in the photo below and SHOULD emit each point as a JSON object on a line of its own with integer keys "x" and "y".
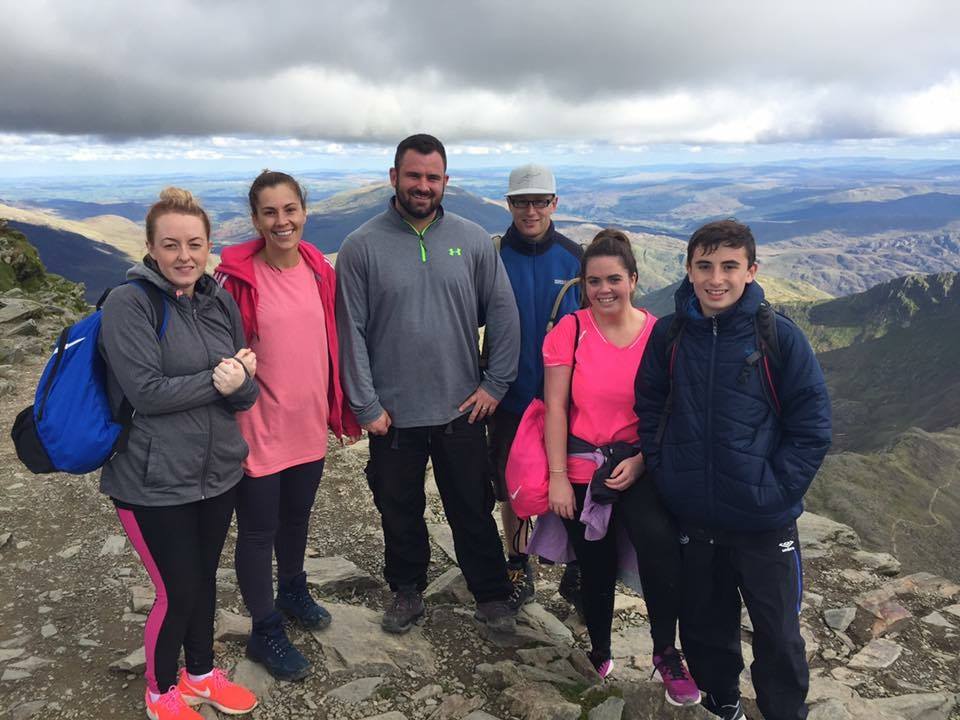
{"x": 132, "y": 351}
{"x": 352, "y": 316}
{"x": 498, "y": 305}
{"x": 246, "y": 395}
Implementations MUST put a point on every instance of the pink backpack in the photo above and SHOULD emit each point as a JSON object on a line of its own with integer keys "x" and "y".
{"x": 528, "y": 472}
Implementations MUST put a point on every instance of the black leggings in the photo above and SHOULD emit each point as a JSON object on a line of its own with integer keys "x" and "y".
{"x": 656, "y": 540}
{"x": 273, "y": 515}
{"x": 180, "y": 547}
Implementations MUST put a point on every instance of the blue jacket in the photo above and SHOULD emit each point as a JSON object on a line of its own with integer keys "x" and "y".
{"x": 727, "y": 461}
{"x": 537, "y": 271}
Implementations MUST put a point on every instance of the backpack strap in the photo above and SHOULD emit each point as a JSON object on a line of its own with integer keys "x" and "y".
{"x": 767, "y": 353}
{"x": 559, "y": 299}
{"x": 674, "y": 334}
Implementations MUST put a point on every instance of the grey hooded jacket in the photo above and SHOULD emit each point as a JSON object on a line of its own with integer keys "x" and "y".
{"x": 184, "y": 443}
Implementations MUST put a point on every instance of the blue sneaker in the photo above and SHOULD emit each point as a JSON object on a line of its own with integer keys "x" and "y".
{"x": 294, "y": 601}
{"x": 270, "y": 646}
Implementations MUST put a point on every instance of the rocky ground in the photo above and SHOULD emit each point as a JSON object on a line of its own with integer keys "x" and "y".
{"x": 74, "y": 598}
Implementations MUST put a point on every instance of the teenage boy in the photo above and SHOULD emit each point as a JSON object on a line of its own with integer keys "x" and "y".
{"x": 539, "y": 262}
{"x": 412, "y": 286}
{"x": 733, "y": 435}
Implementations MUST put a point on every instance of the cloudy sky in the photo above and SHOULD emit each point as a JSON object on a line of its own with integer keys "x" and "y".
{"x": 632, "y": 81}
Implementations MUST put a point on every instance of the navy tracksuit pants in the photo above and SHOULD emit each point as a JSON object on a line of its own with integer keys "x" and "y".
{"x": 765, "y": 570}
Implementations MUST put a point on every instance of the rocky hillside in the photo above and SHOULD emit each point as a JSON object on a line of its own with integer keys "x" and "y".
{"x": 74, "y": 598}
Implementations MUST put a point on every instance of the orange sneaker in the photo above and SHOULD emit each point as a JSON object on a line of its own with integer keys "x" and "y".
{"x": 170, "y": 706}
{"x": 217, "y": 690}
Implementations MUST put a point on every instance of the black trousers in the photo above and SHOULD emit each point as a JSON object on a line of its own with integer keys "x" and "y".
{"x": 273, "y": 515}
{"x": 395, "y": 474}
{"x": 180, "y": 547}
{"x": 765, "y": 569}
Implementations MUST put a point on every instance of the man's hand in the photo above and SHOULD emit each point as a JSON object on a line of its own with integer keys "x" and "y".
{"x": 380, "y": 426}
{"x": 483, "y": 405}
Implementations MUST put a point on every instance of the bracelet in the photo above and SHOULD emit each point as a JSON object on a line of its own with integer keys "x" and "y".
{"x": 557, "y": 472}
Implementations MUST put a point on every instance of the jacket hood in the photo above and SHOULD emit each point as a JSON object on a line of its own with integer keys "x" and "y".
{"x": 148, "y": 271}
{"x": 513, "y": 238}
{"x": 237, "y": 260}
{"x": 688, "y": 307}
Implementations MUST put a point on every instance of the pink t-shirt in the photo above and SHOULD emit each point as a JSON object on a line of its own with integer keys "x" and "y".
{"x": 601, "y": 410}
{"x": 287, "y": 425}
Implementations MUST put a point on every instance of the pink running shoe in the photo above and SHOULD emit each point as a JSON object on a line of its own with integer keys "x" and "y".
{"x": 603, "y": 665}
{"x": 680, "y": 687}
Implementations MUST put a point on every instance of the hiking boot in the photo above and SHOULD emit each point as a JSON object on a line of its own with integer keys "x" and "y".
{"x": 680, "y": 687}
{"x": 270, "y": 646}
{"x": 294, "y": 601}
{"x": 521, "y": 578}
{"x": 570, "y": 587}
{"x": 216, "y": 690}
{"x": 404, "y": 611}
{"x": 170, "y": 706}
{"x": 603, "y": 664}
{"x": 727, "y": 711}
{"x": 497, "y": 615}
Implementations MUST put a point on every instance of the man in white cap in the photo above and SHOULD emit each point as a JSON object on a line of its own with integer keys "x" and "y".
{"x": 539, "y": 261}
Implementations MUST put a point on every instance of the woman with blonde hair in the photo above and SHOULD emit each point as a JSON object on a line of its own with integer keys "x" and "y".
{"x": 185, "y": 374}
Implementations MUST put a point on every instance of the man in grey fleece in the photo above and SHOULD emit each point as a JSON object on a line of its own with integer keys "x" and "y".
{"x": 413, "y": 286}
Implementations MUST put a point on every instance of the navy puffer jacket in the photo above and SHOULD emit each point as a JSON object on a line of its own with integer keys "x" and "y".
{"x": 726, "y": 461}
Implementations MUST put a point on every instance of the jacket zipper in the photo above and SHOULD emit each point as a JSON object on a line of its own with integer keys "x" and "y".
{"x": 206, "y": 453}
{"x": 709, "y": 428}
{"x": 419, "y": 234}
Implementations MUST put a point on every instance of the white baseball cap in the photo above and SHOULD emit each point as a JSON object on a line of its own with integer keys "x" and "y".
{"x": 532, "y": 179}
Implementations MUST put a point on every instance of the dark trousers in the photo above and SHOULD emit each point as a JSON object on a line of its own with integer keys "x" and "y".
{"x": 180, "y": 547}
{"x": 273, "y": 515}
{"x": 655, "y": 537}
{"x": 598, "y": 574}
{"x": 395, "y": 474}
{"x": 765, "y": 569}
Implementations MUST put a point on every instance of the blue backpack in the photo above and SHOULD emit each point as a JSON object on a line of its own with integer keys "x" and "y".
{"x": 70, "y": 428}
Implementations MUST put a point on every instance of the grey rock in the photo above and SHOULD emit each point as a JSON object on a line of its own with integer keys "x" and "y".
{"x": 48, "y": 630}
{"x": 537, "y": 617}
{"x": 937, "y": 620}
{"x": 840, "y": 618}
{"x": 337, "y": 574}
{"x": 5, "y": 538}
{"x": 113, "y": 545}
{"x": 18, "y": 309}
{"x": 609, "y": 709}
{"x": 11, "y": 654}
{"x": 451, "y": 587}
{"x": 135, "y": 662}
{"x": 834, "y": 709}
{"x": 883, "y": 563}
{"x": 69, "y": 552}
{"x": 231, "y": 626}
{"x": 28, "y": 709}
{"x": 392, "y": 715}
{"x": 427, "y": 691}
{"x": 878, "y": 654}
{"x": 28, "y": 328}
{"x": 254, "y": 677}
{"x": 480, "y": 715}
{"x": 455, "y": 707}
{"x": 442, "y": 535}
{"x": 356, "y": 643}
{"x": 11, "y": 675}
{"x": 919, "y": 706}
{"x": 141, "y": 598}
{"x": 356, "y": 691}
{"x": 816, "y": 529}
{"x": 540, "y": 701}
{"x": 31, "y": 663}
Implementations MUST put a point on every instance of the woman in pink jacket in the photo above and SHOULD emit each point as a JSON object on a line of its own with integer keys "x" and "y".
{"x": 285, "y": 289}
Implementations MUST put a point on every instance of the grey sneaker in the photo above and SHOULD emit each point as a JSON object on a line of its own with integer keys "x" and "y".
{"x": 497, "y": 615}
{"x": 726, "y": 711}
{"x": 521, "y": 578}
{"x": 404, "y": 611}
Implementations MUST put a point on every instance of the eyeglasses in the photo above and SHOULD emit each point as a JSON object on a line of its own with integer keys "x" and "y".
{"x": 539, "y": 204}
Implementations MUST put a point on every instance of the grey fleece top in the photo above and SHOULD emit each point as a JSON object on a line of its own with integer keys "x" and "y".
{"x": 184, "y": 443}
{"x": 408, "y": 309}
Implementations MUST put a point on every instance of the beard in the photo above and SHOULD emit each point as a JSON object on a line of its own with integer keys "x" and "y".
{"x": 406, "y": 201}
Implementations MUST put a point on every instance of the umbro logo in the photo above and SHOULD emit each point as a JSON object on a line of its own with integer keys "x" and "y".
{"x": 684, "y": 539}
{"x": 786, "y": 546}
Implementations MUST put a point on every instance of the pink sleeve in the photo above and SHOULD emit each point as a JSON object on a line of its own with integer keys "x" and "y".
{"x": 558, "y": 344}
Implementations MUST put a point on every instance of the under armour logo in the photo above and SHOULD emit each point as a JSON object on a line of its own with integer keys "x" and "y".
{"x": 786, "y": 546}
{"x": 455, "y": 251}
